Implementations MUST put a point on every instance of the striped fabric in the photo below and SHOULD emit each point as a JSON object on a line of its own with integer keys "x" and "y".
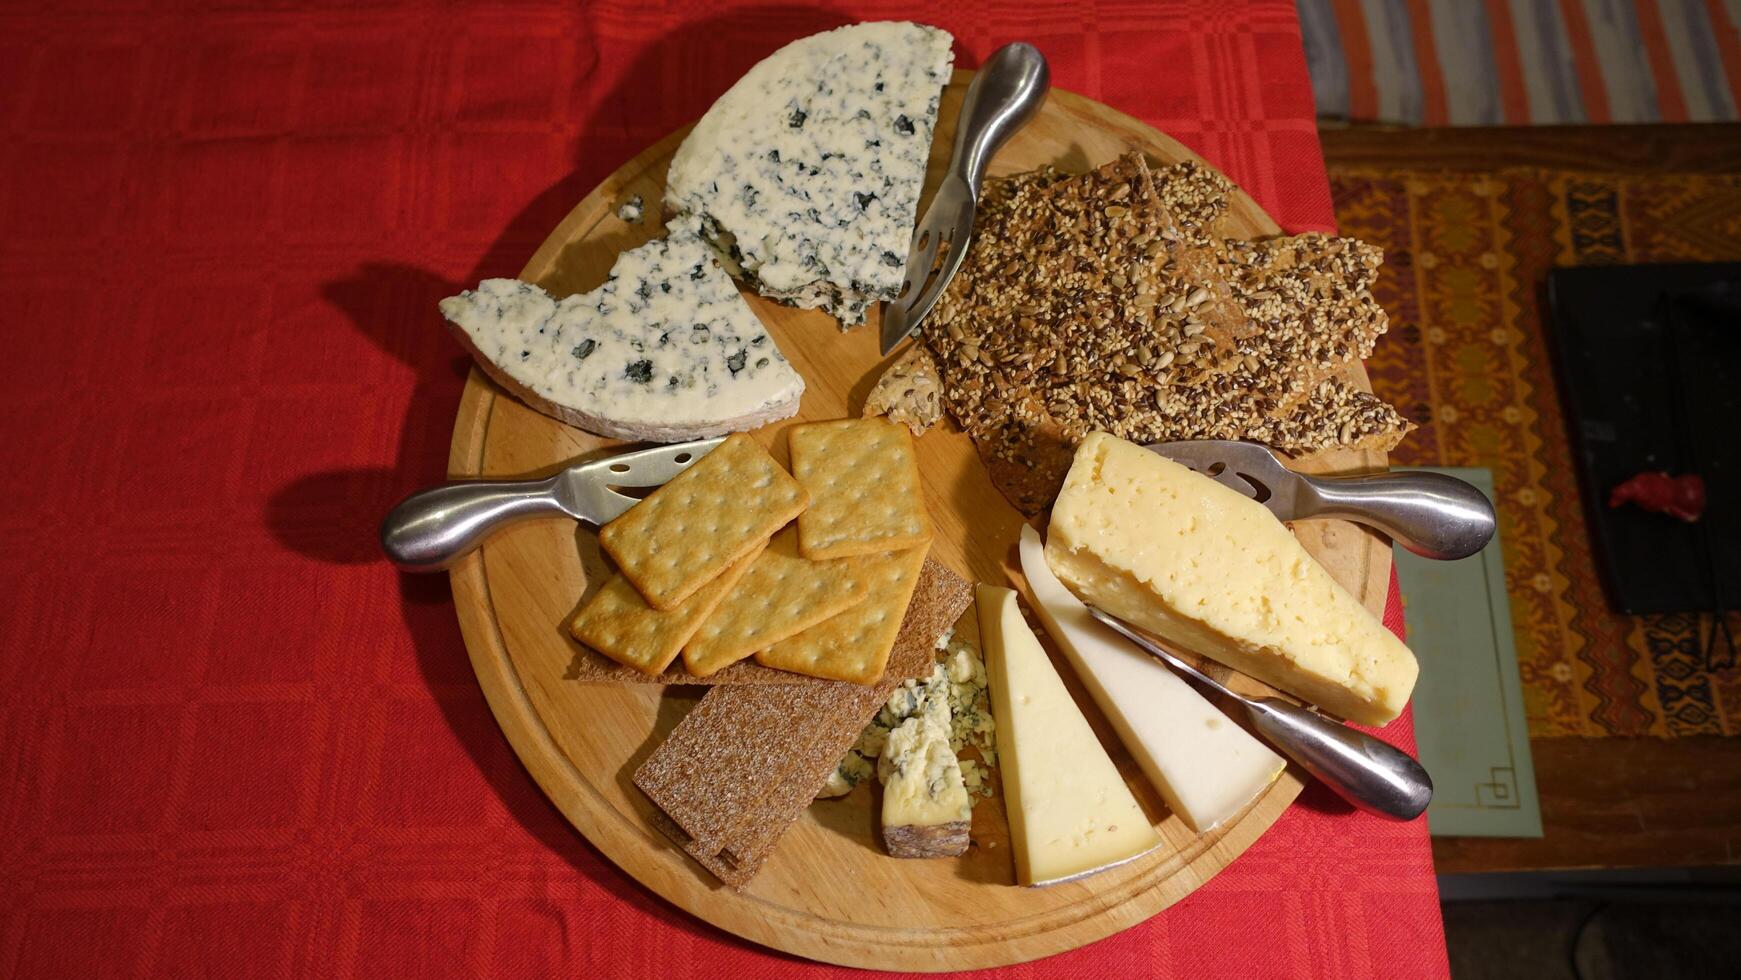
{"x": 1524, "y": 62}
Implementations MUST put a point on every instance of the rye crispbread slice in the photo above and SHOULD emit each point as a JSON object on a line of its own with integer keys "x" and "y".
{"x": 746, "y": 761}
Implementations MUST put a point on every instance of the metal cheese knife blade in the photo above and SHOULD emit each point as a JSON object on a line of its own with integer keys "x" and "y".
{"x": 1362, "y": 769}
{"x": 1430, "y": 514}
{"x": 432, "y": 529}
{"x": 1002, "y": 97}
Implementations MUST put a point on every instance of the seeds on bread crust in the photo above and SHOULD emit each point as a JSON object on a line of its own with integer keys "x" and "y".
{"x": 1096, "y": 302}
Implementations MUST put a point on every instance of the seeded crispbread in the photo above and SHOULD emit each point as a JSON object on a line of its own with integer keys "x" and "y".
{"x": 863, "y": 479}
{"x": 854, "y": 645}
{"x": 744, "y": 764}
{"x": 909, "y": 392}
{"x": 782, "y": 593}
{"x": 1310, "y": 298}
{"x": 712, "y": 514}
{"x": 1303, "y": 310}
{"x": 618, "y": 623}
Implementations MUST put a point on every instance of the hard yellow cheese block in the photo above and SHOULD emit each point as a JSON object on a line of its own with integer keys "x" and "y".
{"x": 1070, "y": 811}
{"x": 1176, "y": 553}
{"x": 1206, "y": 766}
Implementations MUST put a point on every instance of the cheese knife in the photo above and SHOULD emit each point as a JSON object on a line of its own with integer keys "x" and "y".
{"x": 1430, "y": 514}
{"x": 433, "y": 529}
{"x": 1364, "y": 770}
{"x": 1001, "y": 99}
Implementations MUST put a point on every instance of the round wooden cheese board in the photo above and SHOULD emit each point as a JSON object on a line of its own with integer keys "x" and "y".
{"x": 829, "y": 892}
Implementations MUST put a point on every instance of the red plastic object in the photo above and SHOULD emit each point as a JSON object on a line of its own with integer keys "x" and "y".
{"x": 1681, "y": 497}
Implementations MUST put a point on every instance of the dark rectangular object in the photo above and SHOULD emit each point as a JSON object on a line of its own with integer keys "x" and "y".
{"x": 1650, "y": 377}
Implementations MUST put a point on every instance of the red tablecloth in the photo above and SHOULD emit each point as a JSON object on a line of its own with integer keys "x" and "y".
{"x": 234, "y": 743}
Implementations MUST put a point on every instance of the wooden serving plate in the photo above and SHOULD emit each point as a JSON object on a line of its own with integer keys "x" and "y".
{"x": 829, "y": 892}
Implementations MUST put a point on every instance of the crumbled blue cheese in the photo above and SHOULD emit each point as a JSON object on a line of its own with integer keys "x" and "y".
{"x": 956, "y": 700}
{"x": 807, "y": 172}
{"x": 631, "y": 211}
{"x": 666, "y": 349}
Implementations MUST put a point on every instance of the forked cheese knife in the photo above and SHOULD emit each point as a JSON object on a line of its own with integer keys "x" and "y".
{"x": 432, "y": 529}
{"x": 1002, "y": 97}
{"x": 1366, "y": 771}
{"x": 1430, "y": 514}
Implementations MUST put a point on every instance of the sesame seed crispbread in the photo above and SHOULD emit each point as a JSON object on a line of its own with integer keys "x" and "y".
{"x": 1287, "y": 316}
{"x": 854, "y": 645}
{"x": 745, "y": 762}
{"x": 710, "y": 515}
{"x": 863, "y": 479}
{"x": 618, "y": 623}
{"x": 909, "y": 392}
{"x": 1310, "y": 298}
{"x": 782, "y": 593}
{"x": 1198, "y": 198}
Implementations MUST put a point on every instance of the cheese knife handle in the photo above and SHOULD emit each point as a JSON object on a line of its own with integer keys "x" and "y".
{"x": 1004, "y": 94}
{"x": 1362, "y": 769}
{"x": 432, "y": 529}
{"x": 1430, "y": 514}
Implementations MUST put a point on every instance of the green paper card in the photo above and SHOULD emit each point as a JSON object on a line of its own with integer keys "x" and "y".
{"x": 1468, "y": 703}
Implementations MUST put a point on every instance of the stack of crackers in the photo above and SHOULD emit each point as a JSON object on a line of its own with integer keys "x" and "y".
{"x": 808, "y": 572}
{"x": 1109, "y": 301}
{"x": 803, "y": 598}
{"x": 746, "y": 761}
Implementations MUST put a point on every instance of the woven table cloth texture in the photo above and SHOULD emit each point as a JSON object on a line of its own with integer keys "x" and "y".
{"x": 233, "y": 741}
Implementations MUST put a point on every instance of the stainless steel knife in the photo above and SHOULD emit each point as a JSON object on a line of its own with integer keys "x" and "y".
{"x": 1366, "y": 771}
{"x": 1430, "y": 514}
{"x": 432, "y": 529}
{"x": 1002, "y": 97}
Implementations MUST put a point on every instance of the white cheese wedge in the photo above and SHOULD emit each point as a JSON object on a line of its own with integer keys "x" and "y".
{"x": 1070, "y": 812}
{"x": 1212, "y": 570}
{"x": 807, "y": 172}
{"x": 1206, "y": 766}
{"x": 666, "y": 350}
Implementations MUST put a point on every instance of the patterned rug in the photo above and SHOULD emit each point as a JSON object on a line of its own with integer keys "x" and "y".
{"x": 1465, "y": 260}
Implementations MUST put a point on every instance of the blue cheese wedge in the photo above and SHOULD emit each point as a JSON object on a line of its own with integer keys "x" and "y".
{"x": 956, "y": 691}
{"x": 666, "y": 350}
{"x": 806, "y": 173}
{"x": 926, "y": 809}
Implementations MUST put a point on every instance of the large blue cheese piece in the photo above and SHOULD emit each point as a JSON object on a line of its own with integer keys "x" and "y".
{"x": 666, "y": 350}
{"x": 806, "y": 173}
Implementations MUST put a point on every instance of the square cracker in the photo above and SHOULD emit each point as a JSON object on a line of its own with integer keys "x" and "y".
{"x": 863, "y": 479}
{"x": 783, "y": 593}
{"x": 711, "y": 515}
{"x": 854, "y": 645}
{"x": 618, "y": 623}
{"x": 746, "y": 762}
{"x": 591, "y": 667}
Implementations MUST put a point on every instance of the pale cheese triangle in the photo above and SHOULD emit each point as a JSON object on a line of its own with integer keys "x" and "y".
{"x": 1206, "y": 567}
{"x": 1206, "y": 766}
{"x": 1070, "y": 812}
